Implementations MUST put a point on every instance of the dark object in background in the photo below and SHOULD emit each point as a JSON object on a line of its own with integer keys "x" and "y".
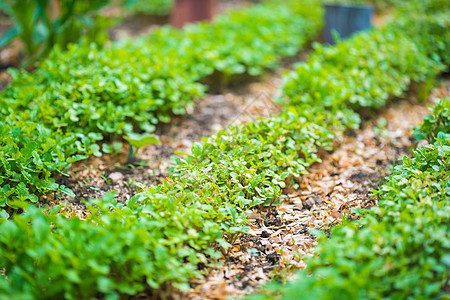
{"x": 345, "y": 20}
{"x": 189, "y": 11}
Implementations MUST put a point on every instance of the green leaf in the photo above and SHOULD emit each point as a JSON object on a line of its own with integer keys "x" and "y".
{"x": 66, "y": 191}
{"x": 140, "y": 140}
{"x": 8, "y": 36}
{"x": 197, "y": 149}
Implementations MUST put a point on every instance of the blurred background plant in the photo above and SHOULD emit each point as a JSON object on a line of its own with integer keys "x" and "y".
{"x": 148, "y": 7}
{"x": 42, "y": 24}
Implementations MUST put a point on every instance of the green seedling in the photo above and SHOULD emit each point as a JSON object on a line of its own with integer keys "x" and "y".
{"x": 138, "y": 141}
{"x": 437, "y": 121}
{"x": 105, "y": 179}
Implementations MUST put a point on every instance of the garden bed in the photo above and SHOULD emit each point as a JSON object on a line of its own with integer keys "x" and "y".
{"x": 167, "y": 234}
{"x": 145, "y": 82}
{"x": 96, "y": 176}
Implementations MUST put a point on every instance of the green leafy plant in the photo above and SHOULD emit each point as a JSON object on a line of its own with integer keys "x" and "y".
{"x": 117, "y": 250}
{"x": 162, "y": 233}
{"x": 42, "y": 24}
{"x": 365, "y": 71}
{"x": 138, "y": 141}
{"x": 281, "y": 30}
{"x": 31, "y": 157}
{"x": 437, "y": 121}
{"x": 399, "y": 249}
{"x": 396, "y": 250}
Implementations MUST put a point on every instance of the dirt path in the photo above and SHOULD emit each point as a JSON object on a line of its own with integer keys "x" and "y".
{"x": 327, "y": 194}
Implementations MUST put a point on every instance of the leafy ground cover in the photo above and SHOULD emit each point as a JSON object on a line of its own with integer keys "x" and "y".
{"x": 167, "y": 232}
{"x": 143, "y": 83}
{"x": 437, "y": 121}
{"x": 95, "y": 176}
{"x": 369, "y": 69}
{"x": 398, "y": 249}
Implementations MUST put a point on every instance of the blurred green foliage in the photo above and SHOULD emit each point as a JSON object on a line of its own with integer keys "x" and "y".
{"x": 43, "y": 24}
{"x": 368, "y": 69}
{"x": 149, "y": 7}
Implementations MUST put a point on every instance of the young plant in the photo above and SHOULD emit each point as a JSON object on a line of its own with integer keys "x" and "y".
{"x": 138, "y": 141}
{"x": 437, "y": 121}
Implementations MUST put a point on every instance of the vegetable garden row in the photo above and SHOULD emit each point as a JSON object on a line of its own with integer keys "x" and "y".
{"x": 58, "y": 115}
{"x": 62, "y": 105}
